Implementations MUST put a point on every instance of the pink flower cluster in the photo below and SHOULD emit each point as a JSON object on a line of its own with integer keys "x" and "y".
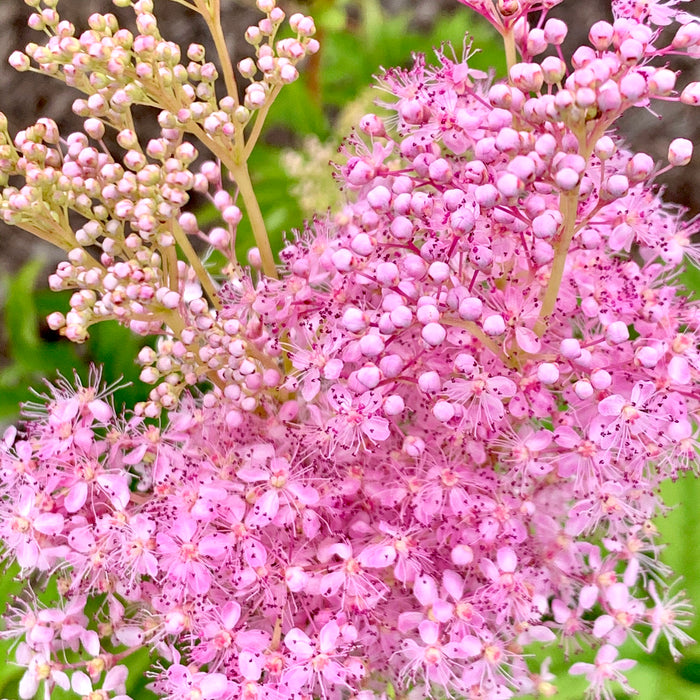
{"x": 435, "y": 439}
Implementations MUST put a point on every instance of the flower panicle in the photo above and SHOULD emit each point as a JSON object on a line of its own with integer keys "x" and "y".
{"x": 434, "y": 435}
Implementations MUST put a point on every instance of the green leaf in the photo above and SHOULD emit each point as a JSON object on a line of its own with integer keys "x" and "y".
{"x": 21, "y": 316}
{"x": 680, "y": 528}
{"x": 690, "y": 278}
{"x": 658, "y": 682}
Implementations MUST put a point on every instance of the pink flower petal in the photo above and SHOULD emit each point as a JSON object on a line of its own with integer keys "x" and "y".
{"x": 115, "y": 678}
{"x": 502, "y": 386}
{"x": 249, "y": 665}
{"x": 429, "y": 631}
{"x": 81, "y": 683}
{"x": 230, "y": 614}
{"x": 328, "y": 636}
{"x": 49, "y": 523}
{"x": 101, "y": 410}
{"x": 76, "y": 497}
{"x": 298, "y": 642}
{"x": 612, "y": 405}
{"x": 425, "y": 590}
{"x": 507, "y": 559}
{"x": 679, "y": 370}
{"x": 265, "y": 509}
{"x": 376, "y": 428}
{"x": 527, "y": 340}
{"x": 213, "y": 685}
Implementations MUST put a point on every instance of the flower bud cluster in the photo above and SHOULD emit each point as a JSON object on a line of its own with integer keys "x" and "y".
{"x": 435, "y": 439}
{"x": 129, "y": 211}
{"x": 132, "y": 209}
{"x": 275, "y": 61}
{"x": 118, "y": 68}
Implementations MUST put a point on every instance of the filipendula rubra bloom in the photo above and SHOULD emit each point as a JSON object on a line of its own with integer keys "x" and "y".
{"x": 434, "y": 432}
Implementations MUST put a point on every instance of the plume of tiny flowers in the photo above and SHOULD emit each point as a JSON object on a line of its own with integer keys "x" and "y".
{"x": 435, "y": 434}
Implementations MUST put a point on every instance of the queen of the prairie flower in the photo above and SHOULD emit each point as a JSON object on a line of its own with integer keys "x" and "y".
{"x": 435, "y": 432}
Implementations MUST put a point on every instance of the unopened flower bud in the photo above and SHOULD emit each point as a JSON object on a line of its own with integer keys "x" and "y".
{"x": 439, "y": 271}
{"x": 444, "y": 411}
{"x": 566, "y": 179}
{"x": 388, "y": 274}
{"x": 555, "y": 31}
{"x": 373, "y": 125}
{"x": 56, "y": 321}
{"x": 662, "y": 82}
{"x": 487, "y": 195}
{"x": 631, "y": 50}
{"x": 413, "y": 446}
{"x": 548, "y": 373}
{"x": 687, "y": 35}
{"x": 680, "y": 151}
{"x": 433, "y": 334}
{"x": 609, "y": 97}
{"x": 393, "y": 405}
{"x": 253, "y": 35}
{"x": 354, "y": 320}
{"x": 639, "y": 167}
{"x": 470, "y": 309}
{"x": 546, "y": 225}
{"x": 691, "y": 94}
{"x": 509, "y": 185}
{"x": 254, "y": 258}
{"x": 601, "y": 379}
{"x": 305, "y": 27}
{"x": 379, "y": 198}
{"x": 605, "y": 148}
{"x": 277, "y": 15}
{"x": 615, "y": 186}
{"x": 617, "y": 333}
{"x": 536, "y": 42}
{"x": 255, "y": 95}
{"x": 19, "y": 61}
{"x": 494, "y": 325}
{"x": 633, "y": 86}
{"x": 647, "y": 356}
{"x": 553, "y": 69}
{"x": 508, "y": 8}
{"x": 600, "y": 35}
{"x": 570, "y": 348}
{"x": 583, "y": 389}
{"x": 247, "y": 68}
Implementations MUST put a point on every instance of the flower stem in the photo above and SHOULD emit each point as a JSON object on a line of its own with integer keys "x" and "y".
{"x": 479, "y": 334}
{"x": 260, "y": 117}
{"x": 245, "y": 188}
{"x": 213, "y": 19}
{"x": 194, "y": 260}
{"x": 509, "y": 44}
{"x": 568, "y": 205}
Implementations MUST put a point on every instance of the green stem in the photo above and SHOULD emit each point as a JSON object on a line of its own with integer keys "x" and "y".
{"x": 213, "y": 19}
{"x": 245, "y": 188}
{"x": 260, "y": 117}
{"x": 509, "y": 43}
{"x": 568, "y": 205}
{"x": 194, "y": 260}
{"x": 479, "y": 335}
{"x": 186, "y": 4}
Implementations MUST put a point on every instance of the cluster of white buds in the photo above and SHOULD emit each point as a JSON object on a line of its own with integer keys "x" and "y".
{"x": 125, "y": 257}
{"x": 275, "y": 60}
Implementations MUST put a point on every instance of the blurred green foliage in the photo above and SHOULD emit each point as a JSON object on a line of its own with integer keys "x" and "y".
{"x": 357, "y": 38}
{"x": 36, "y": 354}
